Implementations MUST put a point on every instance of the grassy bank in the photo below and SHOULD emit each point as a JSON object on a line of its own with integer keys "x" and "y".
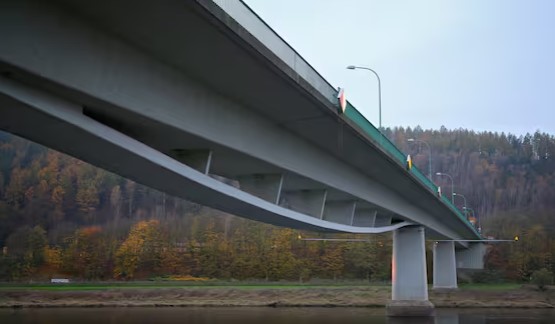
{"x": 258, "y": 294}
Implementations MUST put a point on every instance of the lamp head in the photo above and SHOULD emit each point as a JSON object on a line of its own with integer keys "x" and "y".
{"x": 410, "y": 140}
{"x": 439, "y": 173}
{"x": 351, "y": 67}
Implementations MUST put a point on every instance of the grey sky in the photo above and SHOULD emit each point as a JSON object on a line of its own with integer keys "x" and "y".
{"x": 476, "y": 64}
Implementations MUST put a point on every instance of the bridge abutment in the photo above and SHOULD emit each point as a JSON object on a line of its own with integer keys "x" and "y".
{"x": 445, "y": 265}
{"x": 473, "y": 257}
{"x": 409, "y": 291}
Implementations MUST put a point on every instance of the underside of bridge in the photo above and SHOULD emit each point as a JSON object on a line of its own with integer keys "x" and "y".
{"x": 179, "y": 96}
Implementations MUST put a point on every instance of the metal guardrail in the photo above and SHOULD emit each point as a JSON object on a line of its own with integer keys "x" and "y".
{"x": 247, "y": 18}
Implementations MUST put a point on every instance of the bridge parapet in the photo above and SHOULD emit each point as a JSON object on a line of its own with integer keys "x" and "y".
{"x": 249, "y": 20}
{"x": 380, "y": 140}
{"x": 258, "y": 28}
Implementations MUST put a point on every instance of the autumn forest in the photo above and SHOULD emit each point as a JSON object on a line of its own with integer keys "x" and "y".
{"x": 63, "y": 218}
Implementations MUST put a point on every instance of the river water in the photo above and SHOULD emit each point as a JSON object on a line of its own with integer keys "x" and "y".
{"x": 265, "y": 315}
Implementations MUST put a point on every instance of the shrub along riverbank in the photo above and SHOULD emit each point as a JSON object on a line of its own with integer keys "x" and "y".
{"x": 278, "y": 295}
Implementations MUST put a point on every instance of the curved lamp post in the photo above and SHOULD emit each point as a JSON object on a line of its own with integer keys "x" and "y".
{"x": 452, "y": 185}
{"x": 429, "y": 155}
{"x": 464, "y": 199}
{"x": 353, "y": 67}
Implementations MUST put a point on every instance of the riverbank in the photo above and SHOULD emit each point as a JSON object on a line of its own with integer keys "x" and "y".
{"x": 106, "y": 295}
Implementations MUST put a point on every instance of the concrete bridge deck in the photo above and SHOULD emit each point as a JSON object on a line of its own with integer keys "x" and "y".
{"x": 202, "y": 100}
{"x": 185, "y": 78}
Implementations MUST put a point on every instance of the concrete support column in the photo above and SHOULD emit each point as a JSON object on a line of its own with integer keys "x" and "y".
{"x": 445, "y": 266}
{"x": 409, "y": 291}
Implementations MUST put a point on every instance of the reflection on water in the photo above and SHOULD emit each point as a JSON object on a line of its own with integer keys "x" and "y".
{"x": 248, "y": 315}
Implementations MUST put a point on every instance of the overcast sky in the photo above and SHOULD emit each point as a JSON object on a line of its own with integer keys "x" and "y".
{"x": 476, "y": 64}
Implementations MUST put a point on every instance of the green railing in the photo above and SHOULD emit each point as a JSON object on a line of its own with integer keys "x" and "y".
{"x": 374, "y": 133}
{"x": 392, "y": 150}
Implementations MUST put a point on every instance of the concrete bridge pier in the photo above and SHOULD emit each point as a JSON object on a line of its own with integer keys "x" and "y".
{"x": 409, "y": 291}
{"x": 445, "y": 265}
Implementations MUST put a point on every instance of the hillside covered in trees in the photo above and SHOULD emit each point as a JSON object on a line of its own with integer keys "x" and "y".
{"x": 62, "y": 217}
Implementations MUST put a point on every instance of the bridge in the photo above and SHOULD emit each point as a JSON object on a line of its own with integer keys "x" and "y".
{"x": 202, "y": 100}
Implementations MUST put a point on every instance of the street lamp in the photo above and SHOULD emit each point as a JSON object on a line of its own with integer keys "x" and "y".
{"x": 429, "y": 155}
{"x": 464, "y": 198}
{"x": 452, "y": 185}
{"x": 477, "y": 219}
{"x": 353, "y": 67}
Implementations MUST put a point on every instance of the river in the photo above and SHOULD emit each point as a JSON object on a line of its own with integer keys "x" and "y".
{"x": 264, "y": 315}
